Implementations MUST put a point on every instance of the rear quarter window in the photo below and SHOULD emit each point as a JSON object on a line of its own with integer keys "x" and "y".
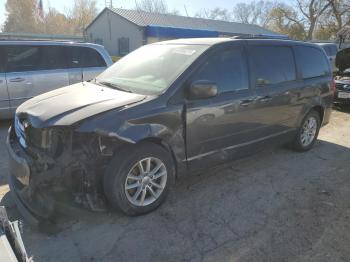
{"x": 91, "y": 58}
{"x": 312, "y": 62}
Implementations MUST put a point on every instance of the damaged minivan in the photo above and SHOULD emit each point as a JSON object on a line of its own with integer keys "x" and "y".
{"x": 163, "y": 111}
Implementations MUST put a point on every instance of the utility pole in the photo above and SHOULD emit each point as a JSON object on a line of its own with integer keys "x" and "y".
{"x": 109, "y": 3}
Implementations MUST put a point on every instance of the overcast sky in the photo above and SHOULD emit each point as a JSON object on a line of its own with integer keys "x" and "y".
{"x": 192, "y": 6}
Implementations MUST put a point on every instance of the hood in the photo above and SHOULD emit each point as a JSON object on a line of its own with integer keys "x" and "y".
{"x": 71, "y": 104}
{"x": 342, "y": 60}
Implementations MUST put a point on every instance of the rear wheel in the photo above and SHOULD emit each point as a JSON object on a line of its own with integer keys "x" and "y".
{"x": 308, "y": 132}
{"x": 138, "y": 179}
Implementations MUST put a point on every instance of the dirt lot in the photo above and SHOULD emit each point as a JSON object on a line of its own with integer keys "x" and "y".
{"x": 277, "y": 205}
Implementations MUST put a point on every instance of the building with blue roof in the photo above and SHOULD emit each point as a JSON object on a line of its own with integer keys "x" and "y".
{"x": 123, "y": 30}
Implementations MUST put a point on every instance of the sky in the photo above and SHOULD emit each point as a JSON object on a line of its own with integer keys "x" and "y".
{"x": 192, "y": 6}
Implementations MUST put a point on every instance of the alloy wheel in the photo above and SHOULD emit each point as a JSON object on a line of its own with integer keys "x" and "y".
{"x": 145, "y": 181}
{"x": 308, "y": 132}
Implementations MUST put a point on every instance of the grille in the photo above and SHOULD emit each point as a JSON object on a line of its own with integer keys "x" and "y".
{"x": 339, "y": 86}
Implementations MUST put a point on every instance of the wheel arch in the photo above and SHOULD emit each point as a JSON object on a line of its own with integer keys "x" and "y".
{"x": 318, "y": 107}
{"x": 165, "y": 145}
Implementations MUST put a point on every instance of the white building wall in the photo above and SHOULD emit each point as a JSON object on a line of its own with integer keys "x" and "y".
{"x": 109, "y": 27}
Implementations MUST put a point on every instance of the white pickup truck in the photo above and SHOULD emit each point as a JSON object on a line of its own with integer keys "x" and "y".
{"x": 11, "y": 244}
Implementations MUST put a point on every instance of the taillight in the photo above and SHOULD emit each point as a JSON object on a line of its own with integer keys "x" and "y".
{"x": 333, "y": 86}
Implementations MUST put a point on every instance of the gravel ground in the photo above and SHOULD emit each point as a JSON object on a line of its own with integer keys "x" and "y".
{"x": 276, "y": 205}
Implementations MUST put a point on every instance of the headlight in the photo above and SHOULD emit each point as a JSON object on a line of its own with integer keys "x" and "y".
{"x": 20, "y": 133}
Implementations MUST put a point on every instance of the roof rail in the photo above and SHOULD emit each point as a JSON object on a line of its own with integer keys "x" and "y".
{"x": 261, "y": 37}
{"x": 43, "y": 40}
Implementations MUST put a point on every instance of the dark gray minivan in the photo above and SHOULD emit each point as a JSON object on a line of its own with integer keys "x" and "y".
{"x": 165, "y": 110}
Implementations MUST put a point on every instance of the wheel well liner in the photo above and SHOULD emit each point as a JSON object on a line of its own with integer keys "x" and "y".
{"x": 166, "y": 146}
{"x": 320, "y": 111}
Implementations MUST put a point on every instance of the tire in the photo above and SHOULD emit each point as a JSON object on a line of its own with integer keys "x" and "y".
{"x": 125, "y": 171}
{"x": 300, "y": 143}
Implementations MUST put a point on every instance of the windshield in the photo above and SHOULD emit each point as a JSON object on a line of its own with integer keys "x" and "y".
{"x": 151, "y": 69}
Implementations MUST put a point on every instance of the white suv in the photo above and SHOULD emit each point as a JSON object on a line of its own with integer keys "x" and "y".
{"x": 29, "y": 68}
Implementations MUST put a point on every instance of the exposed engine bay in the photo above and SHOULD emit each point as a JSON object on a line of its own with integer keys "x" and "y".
{"x": 61, "y": 166}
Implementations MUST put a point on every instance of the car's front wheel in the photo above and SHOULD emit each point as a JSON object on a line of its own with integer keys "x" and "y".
{"x": 308, "y": 132}
{"x": 138, "y": 178}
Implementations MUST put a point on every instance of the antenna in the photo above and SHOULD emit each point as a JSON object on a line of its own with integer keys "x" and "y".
{"x": 109, "y": 3}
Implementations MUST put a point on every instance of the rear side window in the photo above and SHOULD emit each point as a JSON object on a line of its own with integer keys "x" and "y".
{"x": 91, "y": 58}
{"x": 22, "y": 58}
{"x": 72, "y": 55}
{"x": 273, "y": 64}
{"x": 52, "y": 57}
{"x": 227, "y": 68}
{"x": 331, "y": 50}
{"x": 312, "y": 62}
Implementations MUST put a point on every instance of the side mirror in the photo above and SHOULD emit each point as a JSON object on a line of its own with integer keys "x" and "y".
{"x": 202, "y": 89}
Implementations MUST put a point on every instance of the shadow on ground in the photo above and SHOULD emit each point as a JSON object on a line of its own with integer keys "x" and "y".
{"x": 274, "y": 206}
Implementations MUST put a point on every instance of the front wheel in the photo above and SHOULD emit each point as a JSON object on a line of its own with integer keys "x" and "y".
{"x": 308, "y": 132}
{"x": 138, "y": 179}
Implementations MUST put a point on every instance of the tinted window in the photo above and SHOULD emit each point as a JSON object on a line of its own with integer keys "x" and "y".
{"x": 72, "y": 55}
{"x": 91, "y": 58}
{"x": 331, "y": 50}
{"x": 52, "y": 57}
{"x": 312, "y": 61}
{"x": 273, "y": 64}
{"x": 334, "y": 49}
{"x": 2, "y": 60}
{"x": 22, "y": 58}
{"x": 227, "y": 69}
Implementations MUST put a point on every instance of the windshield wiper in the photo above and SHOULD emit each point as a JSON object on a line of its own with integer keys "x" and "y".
{"x": 111, "y": 85}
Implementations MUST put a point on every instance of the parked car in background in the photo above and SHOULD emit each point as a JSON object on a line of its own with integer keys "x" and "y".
{"x": 342, "y": 79}
{"x": 30, "y": 68}
{"x": 331, "y": 50}
{"x": 162, "y": 111}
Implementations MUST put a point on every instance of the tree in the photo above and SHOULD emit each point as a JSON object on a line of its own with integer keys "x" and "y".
{"x": 154, "y": 6}
{"x": 256, "y": 12}
{"x": 339, "y": 11}
{"x": 56, "y": 23}
{"x": 216, "y": 14}
{"x": 82, "y": 13}
{"x": 311, "y": 11}
{"x": 284, "y": 19}
{"x": 21, "y": 16}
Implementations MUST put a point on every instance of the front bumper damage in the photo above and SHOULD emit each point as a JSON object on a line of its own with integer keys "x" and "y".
{"x": 42, "y": 184}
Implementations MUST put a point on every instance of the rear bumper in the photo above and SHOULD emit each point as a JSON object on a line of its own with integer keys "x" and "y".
{"x": 337, "y": 100}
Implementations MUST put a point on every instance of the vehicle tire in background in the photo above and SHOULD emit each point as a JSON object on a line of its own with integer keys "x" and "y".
{"x": 138, "y": 178}
{"x": 308, "y": 132}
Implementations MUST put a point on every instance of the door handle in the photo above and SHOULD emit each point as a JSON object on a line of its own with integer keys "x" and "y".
{"x": 265, "y": 99}
{"x": 246, "y": 102}
{"x": 17, "y": 80}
